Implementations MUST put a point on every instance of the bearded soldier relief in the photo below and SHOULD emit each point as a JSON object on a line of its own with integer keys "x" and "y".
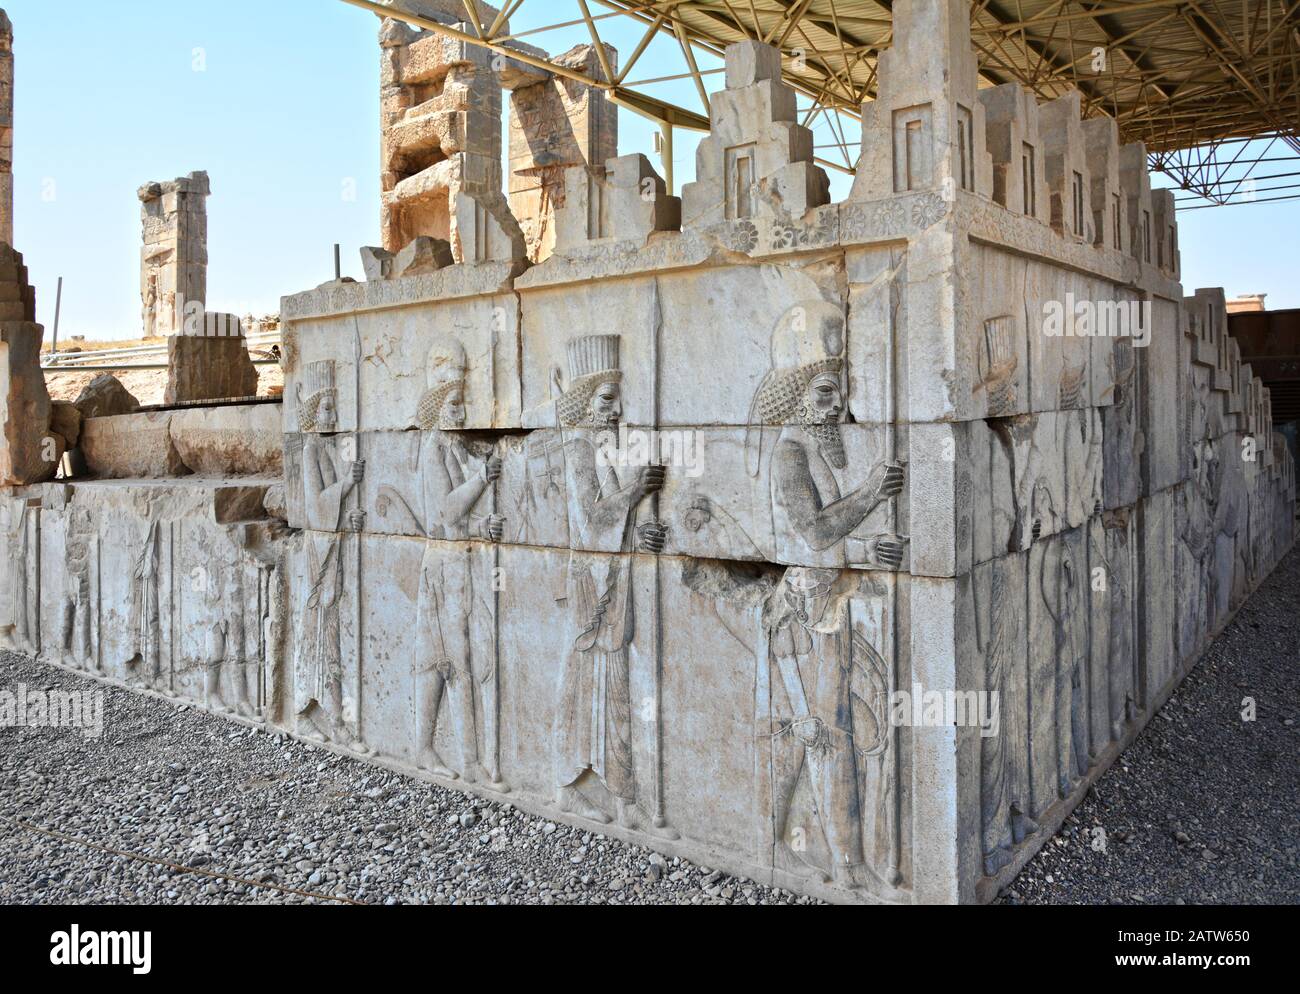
{"x": 455, "y": 478}
{"x": 593, "y": 722}
{"x": 830, "y": 701}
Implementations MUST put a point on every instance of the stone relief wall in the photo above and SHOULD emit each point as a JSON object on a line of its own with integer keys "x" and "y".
{"x": 651, "y": 536}
{"x": 157, "y": 584}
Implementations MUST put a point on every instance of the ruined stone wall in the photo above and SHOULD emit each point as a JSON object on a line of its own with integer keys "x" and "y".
{"x": 440, "y": 110}
{"x": 896, "y": 459}
{"x": 555, "y": 124}
{"x": 441, "y": 131}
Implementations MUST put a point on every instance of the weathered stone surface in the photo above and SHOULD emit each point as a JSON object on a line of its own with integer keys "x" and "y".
{"x": 230, "y": 441}
{"x": 440, "y": 110}
{"x": 422, "y": 255}
{"x": 65, "y": 421}
{"x": 174, "y": 258}
{"x": 29, "y": 450}
{"x": 376, "y": 263}
{"x": 555, "y": 125}
{"x": 403, "y": 345}
{"x": 210, "y": 366}
{"x": 146, "y": 586}
{"x": 104, "y": 397}
{"x": 131, "y": 446}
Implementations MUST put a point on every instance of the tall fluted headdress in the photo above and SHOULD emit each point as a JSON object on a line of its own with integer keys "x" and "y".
{"x": 319, "y": 380}
{"x": 593, "y": 360}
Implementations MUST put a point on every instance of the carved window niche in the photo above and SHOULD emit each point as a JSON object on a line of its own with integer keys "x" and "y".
{"x": 740, "y": 179}
{"x": 480, "y": 249}
{"x": 1077, "y": 195}
{"x": 597, "y": 209}
{"x": 1115, "y": 221}
{"x": 1028, "y": 180}
{"x": 1146, "y": 236}
{"x": 965, "y": 148}
{"x": 913, "y": 149}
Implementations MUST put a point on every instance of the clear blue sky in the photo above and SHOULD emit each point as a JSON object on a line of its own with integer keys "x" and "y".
{"x": 279, "y": 102}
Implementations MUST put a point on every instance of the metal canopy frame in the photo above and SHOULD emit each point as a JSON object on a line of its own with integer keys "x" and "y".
{"x": 1211, "y": 86}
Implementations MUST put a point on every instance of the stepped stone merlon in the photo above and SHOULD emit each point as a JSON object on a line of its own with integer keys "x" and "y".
{"x": 1019, "y": 179}
{"x": 1136, "y": 183}
{"x": 1065, "y": 158}
{"x": 757, "y": 161}
{"x": 925, "y": 130}
{"x": 1109, "y": 209}
{"x": 626, "y": 201}
{"x": 1165, "y": 232}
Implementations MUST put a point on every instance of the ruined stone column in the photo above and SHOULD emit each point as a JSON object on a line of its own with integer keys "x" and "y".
{"x": 6, "y": 130}
{"x": 174, "y": 259}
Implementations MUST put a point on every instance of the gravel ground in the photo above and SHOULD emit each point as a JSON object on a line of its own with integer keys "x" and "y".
{"x": 180, "y": 785}
{"x": 1202, "y": 808}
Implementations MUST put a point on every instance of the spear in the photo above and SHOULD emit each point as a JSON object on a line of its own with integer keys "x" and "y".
{"x": 889, "y": 761}
{"x": 356, "y": 367}
{"x": 656, "y": 621}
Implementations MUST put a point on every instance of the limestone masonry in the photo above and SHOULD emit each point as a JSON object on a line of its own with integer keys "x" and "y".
{"x": 692, "y": 520}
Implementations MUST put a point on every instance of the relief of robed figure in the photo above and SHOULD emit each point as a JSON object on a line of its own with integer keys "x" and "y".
{"x": 328, "y": 481}
{"x": 833, "y": 750}
{"x": 456, "y": 652}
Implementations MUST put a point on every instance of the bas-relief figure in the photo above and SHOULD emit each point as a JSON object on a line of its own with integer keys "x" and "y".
{"x": 1121, "y": 683}
{"x": 145, "y": 624}
{"x": 1004, "y": 804}
{"x": 80, "y": 593}
{"x": 831, "y": 702}
{"x": 593, "y": 718}
{"x": 328, "y": 482}
{"x": 803, "y": 393}
{"x": 1063, "y": 586}
{"x": 231, "y": 672}
{"x": 18, "y": 629}
{"x": 456, "y": 480}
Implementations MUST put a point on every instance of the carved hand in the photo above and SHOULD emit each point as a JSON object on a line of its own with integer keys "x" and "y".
{"x": 886, "y": 550}
{"x": 650, "y": 480}
{"x": 652, "y": 537}
{"x": 492, "y": 469}
{"x": 886, "y": 480}
{"x": 496, "y": 527}
{"x": 356, "y": 520}
{"x": 358, "y": 471}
